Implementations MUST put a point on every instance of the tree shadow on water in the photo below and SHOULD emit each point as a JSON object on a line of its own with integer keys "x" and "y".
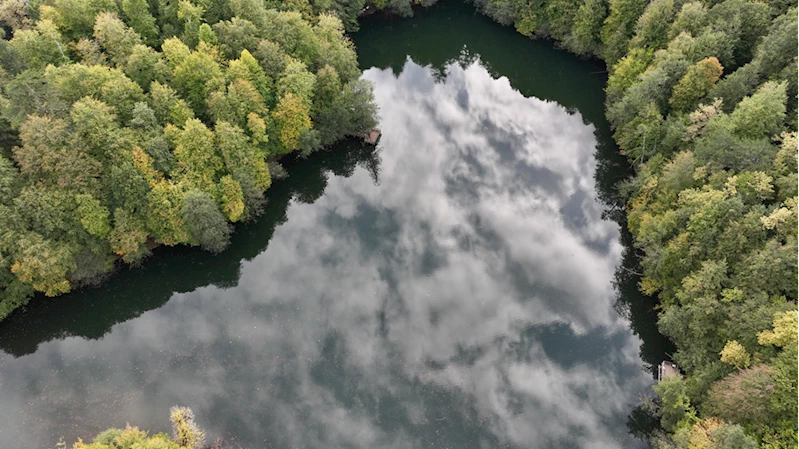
{"x": 92, "y": 312}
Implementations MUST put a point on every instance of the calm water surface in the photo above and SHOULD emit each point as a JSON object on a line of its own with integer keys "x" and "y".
{"x": 456, "y": 287}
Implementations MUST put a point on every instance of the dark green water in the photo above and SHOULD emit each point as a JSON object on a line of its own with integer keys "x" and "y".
{"x": 459, "y": 286}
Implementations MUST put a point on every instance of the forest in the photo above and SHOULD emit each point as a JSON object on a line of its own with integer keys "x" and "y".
{"x": 128, "y": 125}
{"x": 133, "y": 123}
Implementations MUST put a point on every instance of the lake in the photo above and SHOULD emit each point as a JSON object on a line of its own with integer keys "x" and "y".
{"x": 464, "y": 284}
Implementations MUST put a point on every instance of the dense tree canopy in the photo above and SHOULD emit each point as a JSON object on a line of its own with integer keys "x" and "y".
{"x": 135, "y": 123}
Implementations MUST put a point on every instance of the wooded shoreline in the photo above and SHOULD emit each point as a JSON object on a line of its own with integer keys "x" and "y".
{"x": 135, "y": 122}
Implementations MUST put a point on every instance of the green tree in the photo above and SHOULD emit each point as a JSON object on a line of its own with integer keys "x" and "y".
{"x": 206, "y": 35}
{"x": 75, "y": 81}
{"x": 271, "y": 57}
{"x": 292, "y": 120}
{"x": 196, "y": 77}
{"x": 40, "y": 46}
{"x": 653, "y": 86}
{"x": 144, "y": 65}
{"x": 242, "y": 158}
{"x": 585, "y": 38}
{"x": 75, "y": 18}
{"x": 288, "y": 29}
{"x": 186, "y": 433}
{"x": 93, "y": 215}
{"x": 735, "y": 86}
{"x": 163, "y": 216}
{"x": 780, "y": 41}
{"x": 692, "y": 19}
{"x": 168, "y": 106}
{"x": 618, "y": 27}
{"x": 175, "y": 51}
{"x": 139, "y": 18}
{"x": 351, "y": 113}
{"x": 626, "y": 72}
{"x": 248, "y": 68}
{"x": 192, "y": 17}
{"x": 43, "y": 264}
{"x": 652, "y": 29}
{"x": 783, "y": 334}
{"x": 697, "y": 82}
{"x": 770, "y": 268}
{"x": 735, "y": 354}
{"x": 197, "y": 159}
{"x": 125, "y": 186}
{"x": 167, "y": 17}
{"x": 235, "y": 104}
{"x": 744, "y": 22}
{"x": 13, "y": 292}
{"x": 720, "y": 148}
{"x": 675, "y": 406}
{"x": 116, "y": 38}
{"x": 47, "y": 155}
{"x": 128, "y": 237}
{"x": 208, "y": 227}
{"x": 95, "y": 125}
{"x": 298, "y": 81}
{"x": 762, "y": 114}
{"x": 641, "y": 135}
{"x": 121, "y": 93}
{"x": 9, "y": 180}
{"x": 712, "y": 433}
{"x": 236, "y": 35}
{"x": 231, "y": 198}
{"x": 335, "y": 49}
{"x": 49, "y": 212}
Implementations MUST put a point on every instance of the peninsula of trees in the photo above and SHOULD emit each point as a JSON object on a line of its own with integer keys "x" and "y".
{"x": 127, "y": 124}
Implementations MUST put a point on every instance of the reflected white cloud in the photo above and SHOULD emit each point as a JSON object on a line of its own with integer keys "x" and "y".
{"x": 465, "y": 301}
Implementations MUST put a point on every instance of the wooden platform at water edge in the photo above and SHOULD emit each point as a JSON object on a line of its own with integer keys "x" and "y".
{"x": 667, "y": 369}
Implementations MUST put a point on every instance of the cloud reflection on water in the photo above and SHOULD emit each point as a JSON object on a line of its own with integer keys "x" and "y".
{"x": 464, "y": 301}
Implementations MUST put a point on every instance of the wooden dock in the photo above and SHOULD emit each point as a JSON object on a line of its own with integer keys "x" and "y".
{"x": 372, "y": 136}
{"x": 667, "y": 369}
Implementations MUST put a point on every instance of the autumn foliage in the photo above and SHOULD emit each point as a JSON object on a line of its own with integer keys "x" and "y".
{"x": 132, "y": 123}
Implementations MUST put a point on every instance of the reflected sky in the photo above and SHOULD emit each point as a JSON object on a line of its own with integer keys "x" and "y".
{"x": 465, "y": 300}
